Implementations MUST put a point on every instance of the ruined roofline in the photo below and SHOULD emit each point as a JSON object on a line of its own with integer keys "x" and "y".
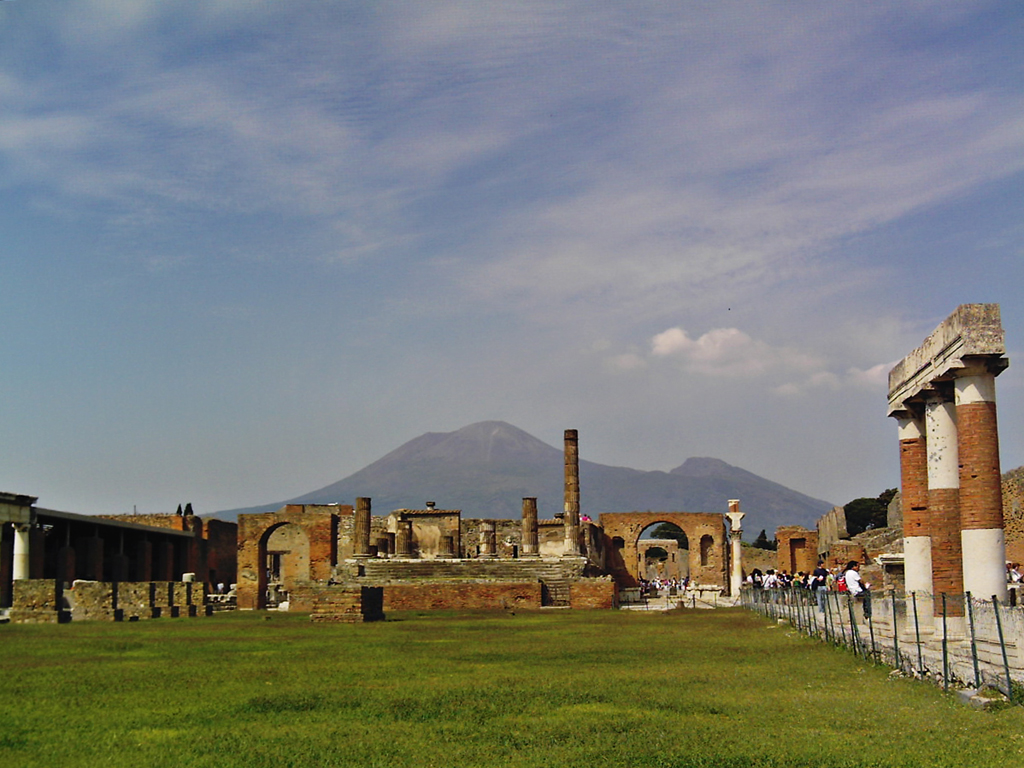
{"x": 972, "y": 331}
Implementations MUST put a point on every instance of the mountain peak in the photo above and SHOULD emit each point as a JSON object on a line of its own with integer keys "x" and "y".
{"x": 702, "y": 466}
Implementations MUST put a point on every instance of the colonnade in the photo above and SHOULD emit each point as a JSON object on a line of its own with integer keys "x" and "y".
{"x": 944, "y": 399}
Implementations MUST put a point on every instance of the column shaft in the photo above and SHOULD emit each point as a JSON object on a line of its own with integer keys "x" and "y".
{"x": 944, "y": 503}
{"x": 361, "y": 545}
{"x": 981, "y": 497}
{"x": 530, "y": 543}
{"x": 571, "y": 519}
{"x": 21, "y": 563}
{"x": 917, "y": 543}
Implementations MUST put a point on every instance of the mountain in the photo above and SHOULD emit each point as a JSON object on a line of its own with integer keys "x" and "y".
{"x": 487, "y": 468}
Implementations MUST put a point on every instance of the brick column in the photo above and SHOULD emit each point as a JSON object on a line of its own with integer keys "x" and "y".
{"x": 917, "y": 543}
{"x": 571, "y": 520}
{"x": 383, "y": 546}
{"x": 362, "y": 527}
{"x": 530, "y": 544}
{"x": 981, "y": 496}
{"x": 944, "y": 501}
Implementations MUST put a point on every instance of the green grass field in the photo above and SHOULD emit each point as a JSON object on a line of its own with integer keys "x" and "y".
{"x": 706, "y": 688}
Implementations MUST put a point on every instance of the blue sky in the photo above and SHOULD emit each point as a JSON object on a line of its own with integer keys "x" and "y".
{"x": 248, "y": 248}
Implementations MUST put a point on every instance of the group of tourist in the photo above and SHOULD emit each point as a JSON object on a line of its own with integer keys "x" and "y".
{"x": 821, "y": 581}
{"x": 656, "y": 585}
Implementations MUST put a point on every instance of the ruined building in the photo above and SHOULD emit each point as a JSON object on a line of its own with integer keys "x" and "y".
{"x": 428, "y": 558}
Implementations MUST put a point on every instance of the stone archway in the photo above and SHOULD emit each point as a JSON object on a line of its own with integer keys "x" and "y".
{"x": 706, "y": 533}
{"x": 284, "y": 561}
{"x": 307, "y": 551}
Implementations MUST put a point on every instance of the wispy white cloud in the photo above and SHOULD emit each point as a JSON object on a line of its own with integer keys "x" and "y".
{"x": 729, "y": 353}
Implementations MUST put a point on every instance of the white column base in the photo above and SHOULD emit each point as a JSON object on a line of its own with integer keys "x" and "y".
{"x": 917, "y": 564}
{"x": 984, "y": 558}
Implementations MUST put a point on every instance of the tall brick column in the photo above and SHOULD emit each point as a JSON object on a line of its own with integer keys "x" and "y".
{"x": 917, "y": 542}
{"x": 944, "y": 501}
{"x": 981, "y": 496}
{"x": 571, "y": 520}
{"x": 530, "y": 544}
{"x": 361, "y": 545}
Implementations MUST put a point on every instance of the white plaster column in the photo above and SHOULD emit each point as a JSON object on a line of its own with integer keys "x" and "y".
{"x": 20, "y": 564}
{"x": 735, "y": 534}
{"x": 917, "y": 544}
{"x": 944, "y": 509}
{"x": 981, "y": 503}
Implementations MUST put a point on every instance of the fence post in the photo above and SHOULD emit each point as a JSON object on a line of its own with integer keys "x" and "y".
{"x": 974, "y": 645}
{"x": 1002, "y": 647}
{"x": 828, "y": 617}
{"x": 945, "y": 646}
{"x": 853, "y": 626}
{"x": 871, "y": 632}
{"x": 895, "y": 633}
{"x": 917, "y": 634}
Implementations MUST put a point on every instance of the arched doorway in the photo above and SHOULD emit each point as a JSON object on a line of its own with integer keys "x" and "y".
{"x": 697, "y": 539}
{"x": 663, "y": 552}
{"x": 283, "y": 563}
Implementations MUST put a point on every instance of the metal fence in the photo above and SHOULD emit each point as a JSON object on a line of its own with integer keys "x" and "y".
{"x": 956, "y": 640}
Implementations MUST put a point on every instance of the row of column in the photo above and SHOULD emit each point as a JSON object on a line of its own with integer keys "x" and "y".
{"x": 951, "y": 488}
{"x": 86, "y": 558}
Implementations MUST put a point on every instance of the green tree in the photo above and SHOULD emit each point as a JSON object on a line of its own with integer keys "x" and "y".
{"x": 671, "y": 531}
{"x": 866, "y": 514}
{"x": 762, "y": 542}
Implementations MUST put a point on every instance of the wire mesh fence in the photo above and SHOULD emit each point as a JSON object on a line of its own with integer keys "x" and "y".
{"x": 957, "y": 640}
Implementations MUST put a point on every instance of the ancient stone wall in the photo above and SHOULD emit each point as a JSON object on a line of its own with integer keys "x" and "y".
{"x": 797, "y": 550}
{"x": 587, "y": 594}
{"x": 221, "y": 552}
{"x": 46, "y": 600}
{"x": 429, "y": 528}
{"x": 319, "y": 523}
{"x": 1013, "y": 514}
{"x": 831, "y": 528}
{"x": 465, "y": 595}
{"x": 38, "y": 601}
{"x": 333, "y": 603}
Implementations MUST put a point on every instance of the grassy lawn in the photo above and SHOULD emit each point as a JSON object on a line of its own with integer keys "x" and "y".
{"x": 706, "y": 688}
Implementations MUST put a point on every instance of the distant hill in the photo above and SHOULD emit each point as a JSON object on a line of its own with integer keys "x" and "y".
{"x": 487, "y": 468}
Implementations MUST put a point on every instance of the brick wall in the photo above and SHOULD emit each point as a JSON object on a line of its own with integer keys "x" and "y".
{"x": 589, "y": 594}
{"x": 486, "y": 595}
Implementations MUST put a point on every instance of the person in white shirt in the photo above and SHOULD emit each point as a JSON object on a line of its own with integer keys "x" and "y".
{"x": 856, "y": 587}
